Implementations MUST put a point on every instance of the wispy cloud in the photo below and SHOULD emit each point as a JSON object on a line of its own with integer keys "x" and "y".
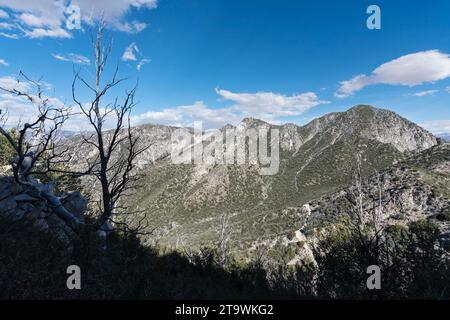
{"x": 20, "y": 109}
{"x": 3, "y": 14}
{"x": 47, "y": 18}
{"x": 9, "y": 36}
{"x": 32, "y": 20}
{"x": 133, "y": 54}
{"x": 4, "y": 63}
{"x": 48, "y": 33}
{"x": 409, "y": 70}
{"x": 72, "y": 57}
{"x": 130, "y": 53}
{"x": 142, "y": 63}
{"x": 132, "y": 27}
{"x": 242, "y": 105}
{"x": 6, "y": 26}
{"x": 267, "y": 106}
{"x": 425, "y": 93}
{"x": 437, "y": 126}
{"x": 10, "y": 83}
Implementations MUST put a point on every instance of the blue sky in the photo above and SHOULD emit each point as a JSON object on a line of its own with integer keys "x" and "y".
{"x": 221, "y": 60}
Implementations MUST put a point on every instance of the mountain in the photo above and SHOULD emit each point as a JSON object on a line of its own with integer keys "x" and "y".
{"x": 444, "y": 136}
{"x": 414, "y": 189}
{"x": 187, "y": 202}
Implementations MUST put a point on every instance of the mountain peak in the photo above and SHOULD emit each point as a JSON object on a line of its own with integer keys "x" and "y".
{"x": 251, "y": 122}
{"x": 363, "y": 107}
{"x": 388, "y": 127}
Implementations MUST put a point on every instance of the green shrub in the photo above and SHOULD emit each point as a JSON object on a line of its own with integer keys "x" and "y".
{"x": 6, "y": 151}
{"x": 443, "y": 216}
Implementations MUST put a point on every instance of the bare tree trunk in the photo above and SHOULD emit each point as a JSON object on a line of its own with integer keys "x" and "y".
{"x": 224, "y": 232}
{"x": 114, "y": 170}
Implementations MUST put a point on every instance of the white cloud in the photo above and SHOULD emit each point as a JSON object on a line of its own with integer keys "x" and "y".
{"x": 447, "y": 89}
{"x": 10, "y": 83}
{"x": 425, "y": 93}
{"x": 72, "y": 57}
{"x": 6, "y": 26}
{"x": 130, "y": 53}
{"x": 4, "y": 63}
{"x": 133, "y": 27}
{"x": 269, "y": 105}
{"x": 409, "y": 70}
{"x": 263, "y": 105}
{"x": 48, "y": 33}
{"x": 112, "y": 11}
{"x": 186, "y": 115}
{"x": 437, "y": 126}
{"x": 15, "y": 110}
{"x": 3, "y": 14}
{"x": 138, "y": 26}
{"x": 142, "y": 63}
{"x": 38, "y": 21}
{"x": 47, "y": 18}
{"x": 9, "y": 36}
{"x": 19, "y": 108}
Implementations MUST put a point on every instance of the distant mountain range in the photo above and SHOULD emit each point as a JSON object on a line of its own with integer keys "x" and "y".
{"x": 445, "y": 136}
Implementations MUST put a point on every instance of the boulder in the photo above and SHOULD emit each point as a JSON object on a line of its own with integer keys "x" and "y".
{"x": 24, "y": 197}
{"x": 16, "y": 188}
{"x": 76, "y": 204}
{"x": 37, "y": 205}
{"x": 7, "y": 206}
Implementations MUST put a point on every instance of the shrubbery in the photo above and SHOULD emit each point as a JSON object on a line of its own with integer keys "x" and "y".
{"x": 6, "y": 151}
{"x": 33, "y": 266}
{"x": 412, "y": 263}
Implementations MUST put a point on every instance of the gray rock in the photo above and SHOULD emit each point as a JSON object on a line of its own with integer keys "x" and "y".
{"x": 41, "y": 225}
{"x": 34, "y": 192}
{"x": 16, "y": 188}
{"x": 76, "y": 204}
{"x": 24, "y": 197}
{"x": 7, "y": 206}
{"x": 32, "y": 213}
{"x": 17, "y": 215}
{"x": 60, "y": 228}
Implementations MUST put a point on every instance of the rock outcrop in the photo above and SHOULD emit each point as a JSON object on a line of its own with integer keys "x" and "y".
{"x": 415, "y": 189}
{"x": 31, "y": 205}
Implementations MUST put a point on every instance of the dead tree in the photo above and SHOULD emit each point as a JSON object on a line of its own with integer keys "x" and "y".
{"x": 35, "y": 142}
{"x": 368, "y": 225}
{"x": 224, "y": 232}
{"x": 116, "y": 146}
{"x": 36, "y": 138}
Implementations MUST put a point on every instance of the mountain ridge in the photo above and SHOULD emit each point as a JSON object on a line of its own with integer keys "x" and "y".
{"x": 186, "y": 202}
